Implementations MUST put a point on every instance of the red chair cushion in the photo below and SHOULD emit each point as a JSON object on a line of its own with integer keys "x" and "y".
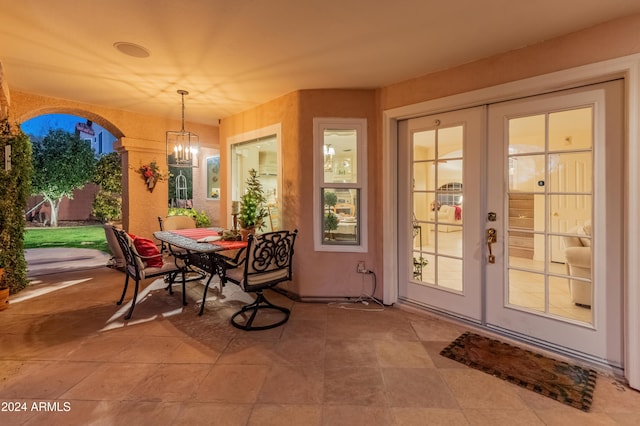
{"x": 146, "y": 247}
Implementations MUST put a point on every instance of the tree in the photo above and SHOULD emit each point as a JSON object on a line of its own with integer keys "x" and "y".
{"x": 107, "y": 205}
{"x": 252, "y": 211}
{"x": 330, "y": 218}
{"x": 15, "y": 185}
{"x": 62, "y": 163}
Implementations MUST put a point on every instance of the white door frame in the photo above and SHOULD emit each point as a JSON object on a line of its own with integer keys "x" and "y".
{"x": 627, "y": 67}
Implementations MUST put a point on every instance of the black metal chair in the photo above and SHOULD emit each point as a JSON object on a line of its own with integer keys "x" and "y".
{"x": 172, "y": 223}
{"x": 136, "y": 268}
{"x": 268, "y": 262}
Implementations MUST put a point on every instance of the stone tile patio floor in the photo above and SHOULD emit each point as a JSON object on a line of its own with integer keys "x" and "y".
{"x": 68, "y": 358}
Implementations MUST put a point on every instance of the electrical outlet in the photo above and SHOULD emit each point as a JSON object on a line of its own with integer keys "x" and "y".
{"x": 361, "y": 269}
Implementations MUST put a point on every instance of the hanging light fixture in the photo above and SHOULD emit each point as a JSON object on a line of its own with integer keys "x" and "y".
{"x": 182, "y": 146}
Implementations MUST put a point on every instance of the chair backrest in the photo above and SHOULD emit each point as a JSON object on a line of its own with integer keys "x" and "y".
{"x": 133, "y": 263}
{"x": 114, "y": 246}
{"x": 171, "y": 223}
{"x": 269, "y": 259}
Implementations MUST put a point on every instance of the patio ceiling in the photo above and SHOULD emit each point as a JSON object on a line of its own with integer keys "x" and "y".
{"x": 233, "y": 55}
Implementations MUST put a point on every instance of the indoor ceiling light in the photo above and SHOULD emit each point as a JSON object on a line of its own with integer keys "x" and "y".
{"x": 131, "y": 49}
{"x": 182, "y": 146}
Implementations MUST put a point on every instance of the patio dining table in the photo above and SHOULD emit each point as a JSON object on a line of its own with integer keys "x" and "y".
{"x": 204, "y": 249}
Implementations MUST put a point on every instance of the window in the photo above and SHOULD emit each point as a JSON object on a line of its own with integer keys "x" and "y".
{"x": 258, "y": 150}
{"x": 340, "y": 191}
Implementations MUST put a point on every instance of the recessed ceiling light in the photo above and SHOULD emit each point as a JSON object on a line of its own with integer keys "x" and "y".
{"x": 131, "y": 49}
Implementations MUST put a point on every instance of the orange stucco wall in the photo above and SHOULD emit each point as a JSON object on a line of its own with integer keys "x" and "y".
{"x": 317, "y": 274}
{"x": 606, "y": 41}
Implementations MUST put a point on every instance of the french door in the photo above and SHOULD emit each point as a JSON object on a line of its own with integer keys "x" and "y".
{"x": 557, "y": 189}
{"x": 441, "y": 253}
{"x": 511, "y": 216}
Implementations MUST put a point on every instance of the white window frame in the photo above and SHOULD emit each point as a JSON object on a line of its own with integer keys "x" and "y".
{"x": 320, "y": 124}
{"x": 233, "y": 179}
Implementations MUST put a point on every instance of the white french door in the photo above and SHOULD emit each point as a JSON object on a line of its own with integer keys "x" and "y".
{"x": 545, "y": 173}
{"x": 555, "y": 180}
{"x": 440, "y": 228}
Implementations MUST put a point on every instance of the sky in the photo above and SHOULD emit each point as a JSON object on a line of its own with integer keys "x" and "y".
{"x": 40, "y": 126}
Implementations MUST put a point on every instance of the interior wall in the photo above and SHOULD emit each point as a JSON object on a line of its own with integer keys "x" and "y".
{"x": 316, "y": 274}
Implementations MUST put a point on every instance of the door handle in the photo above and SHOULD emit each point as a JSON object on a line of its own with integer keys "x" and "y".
{"x": 492, "y": 237}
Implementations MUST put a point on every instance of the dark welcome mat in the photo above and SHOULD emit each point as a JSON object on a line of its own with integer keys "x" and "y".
{"x": 567, "y": 383}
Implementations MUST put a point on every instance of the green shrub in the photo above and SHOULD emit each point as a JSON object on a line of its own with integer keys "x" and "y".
{"x": 15, "y": 188}
{"x": 107, "y": 205}
{"x": 202, "y": 220}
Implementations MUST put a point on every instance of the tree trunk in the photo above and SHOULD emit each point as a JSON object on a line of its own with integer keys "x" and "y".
{"x": 55, "y": 206}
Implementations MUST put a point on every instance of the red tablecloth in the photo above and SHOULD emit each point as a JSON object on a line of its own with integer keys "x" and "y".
{"x": 198, "y": 233}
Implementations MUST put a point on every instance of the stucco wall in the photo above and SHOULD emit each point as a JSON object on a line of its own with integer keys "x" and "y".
{"x": 317, "y": 274}
{"x": 606, "y": 41}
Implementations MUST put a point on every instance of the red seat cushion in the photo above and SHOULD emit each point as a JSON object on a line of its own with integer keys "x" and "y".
{"x": 146, "y": 247}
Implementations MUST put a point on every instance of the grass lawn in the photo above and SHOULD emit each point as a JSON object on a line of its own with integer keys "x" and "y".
{"x": 91, "y": 236}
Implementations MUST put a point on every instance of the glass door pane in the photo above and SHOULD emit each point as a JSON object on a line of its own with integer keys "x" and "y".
{"x": 550, "y": 167}
{"x": 437, "y": 175}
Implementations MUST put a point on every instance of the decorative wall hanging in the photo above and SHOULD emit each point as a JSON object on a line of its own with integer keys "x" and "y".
{"x": 151, "y": 174}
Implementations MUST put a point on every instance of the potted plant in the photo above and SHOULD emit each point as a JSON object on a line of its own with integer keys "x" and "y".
{"x": 418, "y": 264}
{"x": 330, "y": 218}
{"x": 252, "y": 209}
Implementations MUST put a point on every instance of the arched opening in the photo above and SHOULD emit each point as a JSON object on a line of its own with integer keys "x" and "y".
{"x": 81, "y": 206}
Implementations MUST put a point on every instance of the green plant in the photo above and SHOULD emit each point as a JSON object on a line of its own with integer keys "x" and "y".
{"x": 330, "y": 222}
{"x": 62, "y": 163}
{"x": 330, "y": 199}
{"x": 107, "y": 204}
{"x": 418, "y": 264}
{"x": 202, "y": 220}
{"x": 15, "y": 187}
{"x": 252, "y": 210}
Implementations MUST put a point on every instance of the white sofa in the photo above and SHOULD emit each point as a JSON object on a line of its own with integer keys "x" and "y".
{"x": 577, "y": 252}
{"x": 447, "y": 217}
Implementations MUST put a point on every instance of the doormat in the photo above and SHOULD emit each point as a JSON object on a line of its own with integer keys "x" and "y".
{"x": 566, "y": 383}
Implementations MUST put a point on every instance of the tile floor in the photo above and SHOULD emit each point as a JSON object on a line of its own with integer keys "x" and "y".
{"x": 64, "y": 347}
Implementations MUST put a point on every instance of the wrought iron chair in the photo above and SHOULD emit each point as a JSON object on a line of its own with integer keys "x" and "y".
{"x": 137, "y": 268}
{"x": 172, "y": 223}
{"x": 268, "y": 262}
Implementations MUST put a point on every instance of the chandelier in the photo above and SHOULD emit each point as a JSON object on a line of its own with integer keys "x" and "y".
{"x": 182, "y": 146}
{"x": 329, "y": 152}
